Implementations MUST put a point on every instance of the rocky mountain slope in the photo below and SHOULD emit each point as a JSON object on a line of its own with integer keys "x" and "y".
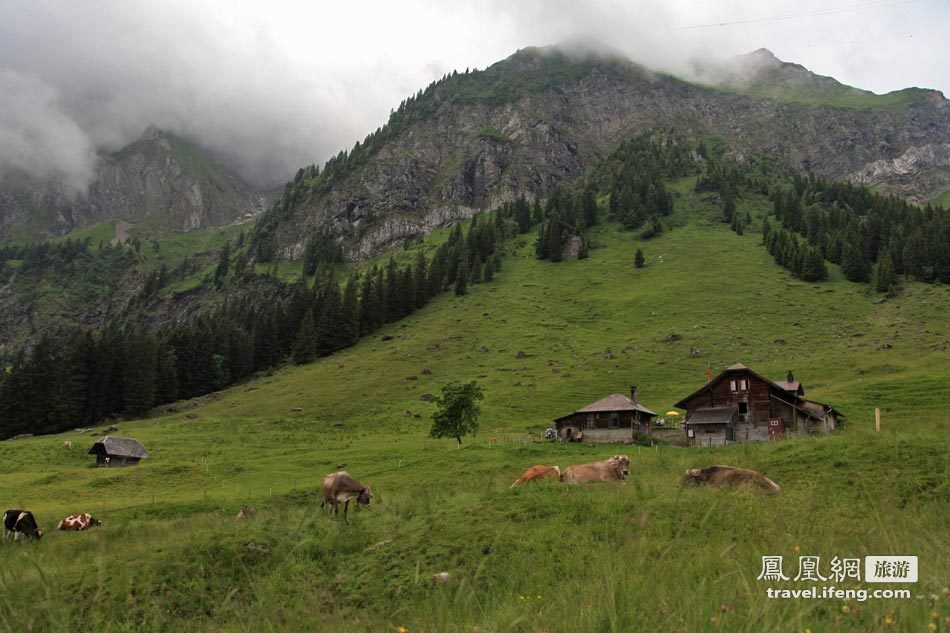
{"x": 160, "y": 178}
{"x": 542, "y": 118}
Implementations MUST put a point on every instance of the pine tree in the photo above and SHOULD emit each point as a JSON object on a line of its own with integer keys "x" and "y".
{"x": 854, "y": 266}
{"x": 884, "y": 277}
{"x": 489, "y": 272}
{"x": 813, "y": 266}
{"x": 224, "y": 262}
{"x": 461, "y": 278}
{"x": 350, "y": 314}
{"x": 305, "y": 347}
{"x": 638, "y": 259}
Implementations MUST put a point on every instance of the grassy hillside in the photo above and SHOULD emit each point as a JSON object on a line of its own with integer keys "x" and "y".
{"x": 643, "y": 556}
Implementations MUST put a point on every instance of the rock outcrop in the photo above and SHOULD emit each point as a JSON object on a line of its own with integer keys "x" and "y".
{"x": 540, "y": 120}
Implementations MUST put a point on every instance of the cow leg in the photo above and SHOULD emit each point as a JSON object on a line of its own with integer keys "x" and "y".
{"x": 346, "y": 507}
{"x": 16, "y": 536}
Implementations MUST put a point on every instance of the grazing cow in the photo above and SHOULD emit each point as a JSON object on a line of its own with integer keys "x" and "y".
{"x": 67, "y": 444}
{"x": 20, "y": 522}
{"x": 78, "y": 522}
{"x": 247, "y": 512}
{"x": 538, "y": 473}
{"x": 729, "y": 477}
{"x": 614, "y": 469}
{"x": 339, "y": 488}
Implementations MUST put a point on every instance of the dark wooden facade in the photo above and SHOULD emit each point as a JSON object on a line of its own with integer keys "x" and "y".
{"x": 739, "y": 405}
{"x": 616, "y": 418}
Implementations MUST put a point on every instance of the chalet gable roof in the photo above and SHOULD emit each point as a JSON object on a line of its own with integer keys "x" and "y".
{"x": 794, "y": 386}
{"x": 739, "y": 367}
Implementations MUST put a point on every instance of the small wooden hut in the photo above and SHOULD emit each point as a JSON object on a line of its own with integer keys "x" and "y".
{"x": 118, "y": 451}
{"x": 615, "y": 418}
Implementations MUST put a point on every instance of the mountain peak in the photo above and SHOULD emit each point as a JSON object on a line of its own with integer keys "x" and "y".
{"x": 153, "y": 133}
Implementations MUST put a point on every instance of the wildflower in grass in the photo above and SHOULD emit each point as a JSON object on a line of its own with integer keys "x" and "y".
{"x": 797, "y": 549}
{"x": 845, "y": 608}
{"x": 889, "y": 621}
{"x": 932, "y": 626}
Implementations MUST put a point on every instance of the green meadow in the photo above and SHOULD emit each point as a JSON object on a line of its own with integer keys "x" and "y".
{"x": 542, "y": 340}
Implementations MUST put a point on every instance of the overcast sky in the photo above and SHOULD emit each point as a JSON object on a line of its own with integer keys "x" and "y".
{"x": 275, "y": 85}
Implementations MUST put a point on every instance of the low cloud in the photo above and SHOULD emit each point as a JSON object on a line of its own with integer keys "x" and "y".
{"x": 269, "y": 89}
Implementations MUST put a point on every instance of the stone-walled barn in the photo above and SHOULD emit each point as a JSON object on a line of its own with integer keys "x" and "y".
{"x": 739, "y": 405}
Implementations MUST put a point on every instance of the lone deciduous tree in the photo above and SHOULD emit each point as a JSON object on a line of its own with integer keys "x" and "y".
{"x": 458, "y": 411}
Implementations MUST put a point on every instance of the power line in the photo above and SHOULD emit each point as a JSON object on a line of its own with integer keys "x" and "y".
{"x": 795, "y": 16}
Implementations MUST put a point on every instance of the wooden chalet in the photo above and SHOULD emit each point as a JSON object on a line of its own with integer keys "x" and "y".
{"x": 616, "y": 418}
{"x": 117, "y": 451}
{"x": 739, "y": 405}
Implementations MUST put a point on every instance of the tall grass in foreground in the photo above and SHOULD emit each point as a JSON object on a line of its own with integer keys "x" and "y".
{"x": 646, "y": 555}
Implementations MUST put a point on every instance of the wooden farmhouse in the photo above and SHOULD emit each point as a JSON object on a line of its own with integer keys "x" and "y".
{"x": 740, "y": 405}
{"x": 117, "y": 451}
{"x": 616, "y": 418}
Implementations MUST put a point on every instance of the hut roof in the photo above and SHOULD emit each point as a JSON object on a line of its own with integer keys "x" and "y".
{"x": 119, "y": 446}
{"x": 614, "y": 402}
{"x": 713, "y": 415}
{"x": 794, "y": 386}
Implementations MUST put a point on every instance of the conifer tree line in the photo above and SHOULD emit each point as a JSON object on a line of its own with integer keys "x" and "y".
{"x": 78, "y": 378}
{"x": 857, "y": 228}
{"x": 632, "y": 179}
{"x": 872, "y": 237}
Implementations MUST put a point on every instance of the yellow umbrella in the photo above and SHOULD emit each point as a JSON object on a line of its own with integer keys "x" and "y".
{"x": 672, "y": 413}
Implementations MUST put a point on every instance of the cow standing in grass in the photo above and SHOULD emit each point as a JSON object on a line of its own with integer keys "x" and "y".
{"x": 614, "y": 469}
{"x": 20, "y": 522}
{"x": 341, "y": 488}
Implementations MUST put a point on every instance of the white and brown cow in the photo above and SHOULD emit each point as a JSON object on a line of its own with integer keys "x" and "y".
{"x": 615, "y": 468}
{"x": 340, "y": 488}
{"x": 730, "y": 477}
{"x": 78, "y": 522}
{"x": 538, "y": 473}
{"x": 20, "y": 522}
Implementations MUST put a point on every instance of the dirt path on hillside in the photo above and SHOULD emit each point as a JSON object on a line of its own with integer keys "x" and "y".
{"x": 121, "y": 232}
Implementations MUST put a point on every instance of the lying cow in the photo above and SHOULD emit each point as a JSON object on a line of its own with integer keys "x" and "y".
{"x": 538, "y": 473}
{"x": 20, "y": 522}
{"x": 614, "y": 469}
{"x": 340, "y": 488}
{"x": 729, "y": 477}
{"x": 246, "y": 512}
{"x": 78, "y": 522}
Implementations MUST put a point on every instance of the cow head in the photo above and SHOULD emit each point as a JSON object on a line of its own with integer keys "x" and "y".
{"x": 38, "y": 534}
{"x": 93, "y": 521}
{"x": 622, "y": 463}
{"x": 364, "y": 496}
{"x": 693, "y": 476}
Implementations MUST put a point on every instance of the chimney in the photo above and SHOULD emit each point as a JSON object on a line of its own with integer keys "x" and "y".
{"x": 633, "y": 393}
{"x": 790, "y": 377}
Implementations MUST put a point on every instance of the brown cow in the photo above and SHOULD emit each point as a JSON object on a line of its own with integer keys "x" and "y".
{"x": 538, "y": 473}
{"x": 729, "y": 477}
{"x": 78, "y": 522}
{"x": 614, "y": 469}
{"x": 339, "y": 488}
{"x": 246, "y": 512}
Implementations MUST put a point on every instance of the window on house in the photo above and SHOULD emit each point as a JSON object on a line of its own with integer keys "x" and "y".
{"x": 590, "y": 421}
{"x": 743, "y": 408}
{"x": 614, "y": 420}
{"x": 733, "y": 386}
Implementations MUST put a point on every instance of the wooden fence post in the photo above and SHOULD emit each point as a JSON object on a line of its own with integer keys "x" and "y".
{"x": 877, "y": 419}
